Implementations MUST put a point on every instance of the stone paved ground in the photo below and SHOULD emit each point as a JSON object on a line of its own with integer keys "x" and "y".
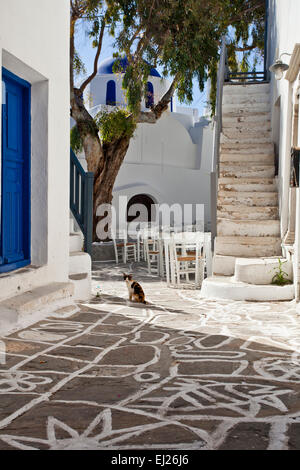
{"x": 179, "y": 373}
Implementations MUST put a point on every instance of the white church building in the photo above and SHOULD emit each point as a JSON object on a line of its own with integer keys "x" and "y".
{"x": 168, "y": 162}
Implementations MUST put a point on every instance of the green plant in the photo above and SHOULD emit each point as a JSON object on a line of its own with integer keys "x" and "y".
{"x": 114, "y": 124}
{"x": 75, "y": 140}
{"x": 280, "y": 277}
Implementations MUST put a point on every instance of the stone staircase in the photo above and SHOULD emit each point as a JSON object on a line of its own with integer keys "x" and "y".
{"x": 248, "y": 225}
{"x": 79, "y": 264}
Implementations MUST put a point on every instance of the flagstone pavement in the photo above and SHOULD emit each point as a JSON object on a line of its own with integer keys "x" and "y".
{"x": 179, "y": 373}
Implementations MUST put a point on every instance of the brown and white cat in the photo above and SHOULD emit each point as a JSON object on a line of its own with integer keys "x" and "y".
{"x": 135, "y": 290}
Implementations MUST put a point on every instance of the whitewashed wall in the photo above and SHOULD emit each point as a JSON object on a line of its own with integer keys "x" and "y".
{"x": 284, "y": 33}
{"x": 34, "y": 44}
{"x": 174, "y": 170}
{"x": 169, "y": 161}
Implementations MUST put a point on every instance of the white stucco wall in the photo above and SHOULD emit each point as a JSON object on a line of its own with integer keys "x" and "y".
{"x": 169, "y": 161}
{"x": 175, "y": 170}
{"x": 34, "y": 44}
{"x": 284, "y": 33}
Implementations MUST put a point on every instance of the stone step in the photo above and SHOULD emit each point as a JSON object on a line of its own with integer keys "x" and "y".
{"x": 257, "y": 159}
{"x": 260, "y": 271}
{"x": 238, "y": 136}
{"x": 247, "y": 184}
{"x": 246, "y": 99}
{"x": 245, "y": 247}
{"x": 237, "y": 109}
{"x": 227, "y": 266}
{"x": 75, "y": 242}
{"x": 42, "y": 300}
{"x": 82, "y": 286}
{"x": 242, "y": 89}
{"x": 251, "y": 121}
{"x": 237, "y": 198}
{"x": 223, "y": 287}
{"x": 228, "y": 211}
{"x": 223, "y": 265}
{"x": 79, "y": 262}
{"x": 246, "y": 148}
{"x": 248, "y": 228}
{"x": 242, "y": 126}
{"x": 246, "y": 171}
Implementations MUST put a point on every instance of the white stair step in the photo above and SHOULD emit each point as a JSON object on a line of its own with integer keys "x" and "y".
{"x": 250, "y": 121}
{"x": 44, "y": 299}
{"x": 82, "y": 286}
{"x": 249, "y": 88}
{"x": 248, "y": 247}
{"x": 238, "y": 136}
{"x": 248, "y": 228}
{"x": 222, "y": 287}
{"x": 247, "y": 184}
{"x": 223, "y": 265}
{"x": 248, "y": 149}
{"x": 248, "y": 212}
{"x": 239, "y": 125}
{"x": 79, "y": 262}
{"x": 260, "y": 271}
{"x": 247, "y": 171}
{"x": 251, "y": 159}
{"x": 75, "y": 242}
{"x": 237, "y": 198}
{"x": 245, "y": 109}
{"x": 247, "y": 99}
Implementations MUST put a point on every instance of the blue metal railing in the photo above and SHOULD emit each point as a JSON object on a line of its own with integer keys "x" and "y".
{"x": 81, "y": 199}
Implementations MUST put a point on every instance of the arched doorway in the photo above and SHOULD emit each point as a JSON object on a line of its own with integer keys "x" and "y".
{"x": 146, "y": 214}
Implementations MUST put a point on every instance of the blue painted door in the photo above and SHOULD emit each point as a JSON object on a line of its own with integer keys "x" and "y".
{"x": 15, "y": 181}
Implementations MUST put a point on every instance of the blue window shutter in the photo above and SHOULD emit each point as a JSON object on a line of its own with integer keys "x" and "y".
{"x": 111, "y": 93}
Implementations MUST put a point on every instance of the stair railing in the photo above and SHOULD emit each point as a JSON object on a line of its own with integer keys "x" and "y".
{"x": 81, "y": 199}
{"x": 217, "y": 123}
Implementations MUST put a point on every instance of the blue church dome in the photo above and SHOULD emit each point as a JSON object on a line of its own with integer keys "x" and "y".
{"x": 106, "y": 66}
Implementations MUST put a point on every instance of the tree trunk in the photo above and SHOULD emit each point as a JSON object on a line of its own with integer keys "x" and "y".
{"x": 114, "y": 154}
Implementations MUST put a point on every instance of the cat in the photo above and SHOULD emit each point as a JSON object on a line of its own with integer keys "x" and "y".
{"x": 135, "y": 290}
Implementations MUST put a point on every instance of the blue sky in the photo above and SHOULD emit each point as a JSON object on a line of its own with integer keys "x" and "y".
{"x": 87, "y": 54}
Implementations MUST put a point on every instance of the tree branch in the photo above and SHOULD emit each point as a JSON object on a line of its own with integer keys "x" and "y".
{"x": 261, "y": 3}
{"x": 157, "y": 110}
{"x": 94, "y": 73}
{"x": 72, "y": 51}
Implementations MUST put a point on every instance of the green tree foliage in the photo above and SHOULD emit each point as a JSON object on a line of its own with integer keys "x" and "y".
{"x": 181, "y": 37}
{"x": 114, "y": 125}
